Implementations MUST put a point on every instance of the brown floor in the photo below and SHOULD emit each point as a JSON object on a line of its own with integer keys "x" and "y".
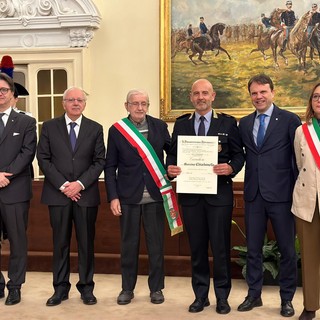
{"x": 178, "y": 294}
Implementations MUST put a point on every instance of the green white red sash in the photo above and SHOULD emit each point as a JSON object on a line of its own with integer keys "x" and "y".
{"x": 312, "y": 134}
{"x": 157, "y": 171}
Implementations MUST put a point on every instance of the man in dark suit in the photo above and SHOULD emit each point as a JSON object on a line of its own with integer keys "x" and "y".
{"x": 71, "y": 155}
{"x": 134, "y": 196}
{"x": 267, "y": 135}
{"x": 207, "y": 218}
{"x": 18, "y": 141}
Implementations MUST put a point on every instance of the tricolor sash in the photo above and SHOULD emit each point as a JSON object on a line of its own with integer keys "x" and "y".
{"x": 312, "y": 134}
{"x": 156, "y": 169}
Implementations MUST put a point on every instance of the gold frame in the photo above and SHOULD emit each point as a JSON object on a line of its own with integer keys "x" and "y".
{"x": 167, "y": 113}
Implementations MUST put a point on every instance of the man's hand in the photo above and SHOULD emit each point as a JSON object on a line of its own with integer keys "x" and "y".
{"x": 115, "y": 207}
{"x": 4, "y": 181}
{"x": 222, "y": 169}
{"x": 72, "y": 190}
{"x": 173, "y": 171}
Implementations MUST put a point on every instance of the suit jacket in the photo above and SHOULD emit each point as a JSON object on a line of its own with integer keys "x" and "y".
{"x": 17, "y": 148}
{"x": 272, "y": 169}
{"x": 60, "y": 164}
{"x": 125, "y": 172}
{"x": 307, "y": 187}
{"x": 231, "y": 152}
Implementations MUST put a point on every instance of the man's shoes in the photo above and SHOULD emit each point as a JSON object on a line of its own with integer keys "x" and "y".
{"x": 286, "y": 309}
{"x": 307, "y": 315}
{"x": 157, "y": 297}
{"x": 88, "y": 298}
{"x": 199, "y": 304}
{"x": 1, "y": 294}
{"x": 249, "y": 303}
{"x": 13, "y": 297}
{"x": 125, "y": 297}
{"x": 56, "y": 299}
{"x": 223, "y": 306}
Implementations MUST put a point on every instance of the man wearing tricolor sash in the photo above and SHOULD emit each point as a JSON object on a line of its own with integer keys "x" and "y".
{"x": 138, "y": 192}
{"x": 305, "y": 204}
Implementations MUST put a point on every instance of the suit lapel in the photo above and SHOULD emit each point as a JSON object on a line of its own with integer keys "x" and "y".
{"x": 274, "y": 121}
{"x": 250, "y": 125}
{"x": 11, "y": 124}
{"x": 84, "y": 128}
{"x": 62, "y": 129}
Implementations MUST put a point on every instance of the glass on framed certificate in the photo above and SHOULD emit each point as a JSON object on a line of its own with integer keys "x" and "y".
{"x": 196, "y": 157}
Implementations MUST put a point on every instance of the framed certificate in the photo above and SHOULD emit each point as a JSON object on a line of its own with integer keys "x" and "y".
{"x": 196, "y": 157}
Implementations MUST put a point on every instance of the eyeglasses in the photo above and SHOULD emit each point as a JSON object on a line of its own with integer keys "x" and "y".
{"x": 316, "y": 97}
{"x": 4, "y": 90}
{"x": 72, "y": 100}
{"x": 137, "y": 104}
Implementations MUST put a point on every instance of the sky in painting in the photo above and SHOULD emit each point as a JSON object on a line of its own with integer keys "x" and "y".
{"x": 228, "y": 11}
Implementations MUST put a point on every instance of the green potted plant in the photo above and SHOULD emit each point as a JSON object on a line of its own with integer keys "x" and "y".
{"x": 270, "y": 256}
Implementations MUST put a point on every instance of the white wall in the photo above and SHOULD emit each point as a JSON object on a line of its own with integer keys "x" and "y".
{"x": 124, "y": 54}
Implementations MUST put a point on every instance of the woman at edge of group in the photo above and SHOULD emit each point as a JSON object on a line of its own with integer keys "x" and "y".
{"x": 305, "y": 204}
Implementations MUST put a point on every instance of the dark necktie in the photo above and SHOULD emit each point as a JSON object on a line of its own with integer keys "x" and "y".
{"x": 1, "y": 124}
{"x": 262, "y": 130}
{"x": 201, "y": 129}
{"x": 72, "y": 135}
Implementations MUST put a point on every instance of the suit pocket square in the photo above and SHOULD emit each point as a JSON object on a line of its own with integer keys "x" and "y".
{"x": 16, "y": 134}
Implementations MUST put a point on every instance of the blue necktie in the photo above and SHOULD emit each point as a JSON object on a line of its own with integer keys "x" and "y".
{"x": 72, "y": 135}
{"x": 261, "y": 131}
{"x": 201, "y": 129}
{"x": 1, "y": 124}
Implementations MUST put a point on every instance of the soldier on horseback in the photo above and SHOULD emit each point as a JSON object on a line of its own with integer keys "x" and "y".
{"x": 314, "y": 20}
{"x": 287, "y": 22}
{"x": 204, "y": 30}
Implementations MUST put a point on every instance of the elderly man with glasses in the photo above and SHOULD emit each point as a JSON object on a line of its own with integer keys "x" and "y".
{"x": 71, "y": 155}
{"x": 133, "y": 193}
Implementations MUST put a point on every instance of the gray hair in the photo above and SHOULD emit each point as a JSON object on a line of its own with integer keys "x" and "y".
{"x": 73, "y": 88}
{"x": 135, "y": 92}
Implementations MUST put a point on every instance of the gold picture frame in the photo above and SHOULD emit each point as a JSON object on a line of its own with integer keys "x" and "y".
{"x": 293, "y": 97}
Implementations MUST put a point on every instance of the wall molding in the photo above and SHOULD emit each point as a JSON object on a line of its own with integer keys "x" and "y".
{"x": 47, "y": 23}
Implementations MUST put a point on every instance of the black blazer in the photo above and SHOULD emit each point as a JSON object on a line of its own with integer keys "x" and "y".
{"x": 17, "y": 149}
{"x": 125, "y": 172}
{"x": 60, "y": 164}
{"x": 231, "y": 152}
{"x": 272, "y": 169}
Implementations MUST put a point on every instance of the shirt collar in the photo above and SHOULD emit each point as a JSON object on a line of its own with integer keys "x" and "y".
{"x": 68, "y": 120}
{"x": 267, "y": 113}
{"x": 207, "y": 116}
{"x": 7, "y": 111}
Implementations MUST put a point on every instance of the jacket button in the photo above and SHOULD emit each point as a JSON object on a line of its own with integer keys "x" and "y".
{"x": 304, "y": 169}
{"x": 303, "y": 184}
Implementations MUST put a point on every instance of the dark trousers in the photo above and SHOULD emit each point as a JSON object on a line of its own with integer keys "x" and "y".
{"x": 205, "y": 223}
{"x": 152, "y": 217}
{"x": 15, "y": 218}
{"x": 257, "y": 214}
{"x": 61, "y": 219}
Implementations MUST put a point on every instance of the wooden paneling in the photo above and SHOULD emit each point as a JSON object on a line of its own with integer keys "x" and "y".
{"x": 107, "y": 244}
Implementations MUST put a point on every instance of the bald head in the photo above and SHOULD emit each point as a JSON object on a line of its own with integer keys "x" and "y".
{"x": 202, "y": 95}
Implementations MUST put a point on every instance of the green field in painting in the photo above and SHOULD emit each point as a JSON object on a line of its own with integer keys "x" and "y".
{"x": 230, "y": 77}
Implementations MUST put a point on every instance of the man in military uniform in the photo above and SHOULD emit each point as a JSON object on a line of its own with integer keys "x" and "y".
{"x": 287, "y": 22}
{"x": 207, "y": 217}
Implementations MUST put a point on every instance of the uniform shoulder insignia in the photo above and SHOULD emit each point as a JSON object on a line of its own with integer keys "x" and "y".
{"x": 186, "y": 115}
{"x": 225, "y": 115}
